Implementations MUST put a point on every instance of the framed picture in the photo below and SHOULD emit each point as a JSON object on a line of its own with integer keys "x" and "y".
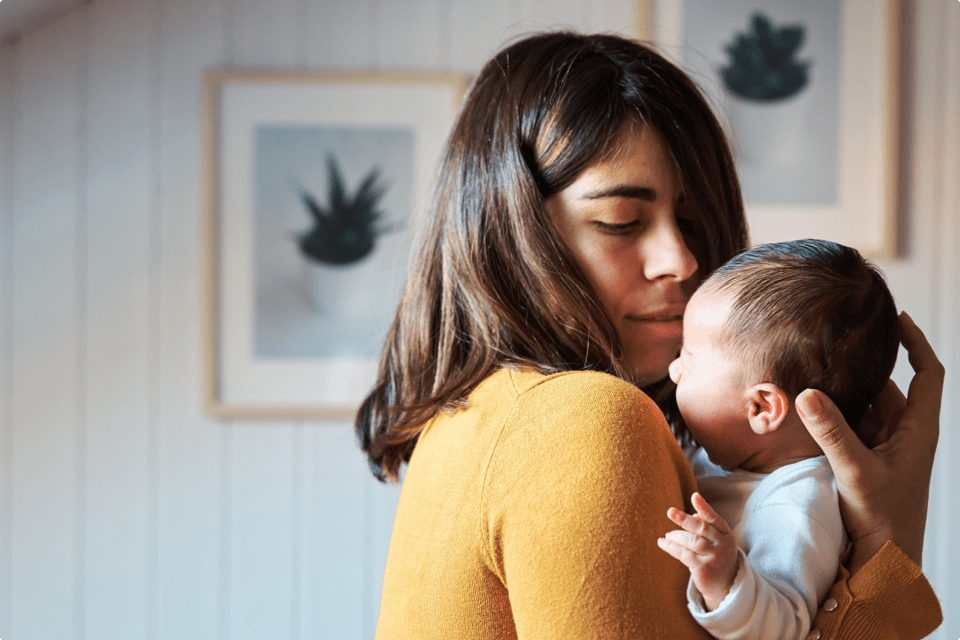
{"x": 313, "y": 181}
{"x": 807, "y": 91}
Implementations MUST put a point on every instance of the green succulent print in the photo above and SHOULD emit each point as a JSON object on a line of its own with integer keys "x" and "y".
{"x": 346, "y": 230}
{"x": 763, "y": 65}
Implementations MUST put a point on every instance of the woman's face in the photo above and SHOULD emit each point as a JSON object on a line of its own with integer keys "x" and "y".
{"x": 625, "y": 221}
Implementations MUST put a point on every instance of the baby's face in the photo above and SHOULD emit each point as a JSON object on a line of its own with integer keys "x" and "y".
{"x": 712, "y": 390}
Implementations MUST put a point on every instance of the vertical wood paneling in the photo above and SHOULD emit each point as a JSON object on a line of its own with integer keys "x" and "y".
{"x": 550, "y": 14}
{"x": 909, "y": 280}
{"x": 925, "y": 282}
{"x": 261, "y": 505}
{"x": 7, "y": 162}
{"x": 621, "y": 17}
{"x": 154, "y": 349}
{"x": 378, "y": 521}
{"x": 408, "y": 33}
{"x": 124, "y": 512}
{"x": 919, "y": 289}
{"x": 225, "y": 601}
{"x": 929, "y": 67}
{"x": 299, "y": 457}
{"x": 339, "y": 34}
{"x": 947, "y": 563}
{"x": 949, "y": 556}
{"x": 261, "y": 550}
{"x": 333, "y": 537}
{"x": 347, "y": 516}
{"x": 192, "y": 38}
{"x": 265, "y": 33}
{"x": 47, "y": 430}
{"x": 477, "y": 31}
{"x": 120, "y": 329}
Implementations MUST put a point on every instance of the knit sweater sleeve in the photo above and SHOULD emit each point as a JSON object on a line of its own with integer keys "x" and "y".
{"x": 887, "y": 598}
{"x": 574, "y": 499}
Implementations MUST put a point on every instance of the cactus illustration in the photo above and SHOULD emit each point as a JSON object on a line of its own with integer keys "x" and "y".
{"x": 763, "y": 65}
{"x": 345, "y": 231}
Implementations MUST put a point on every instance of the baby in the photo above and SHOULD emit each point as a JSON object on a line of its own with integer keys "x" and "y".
{"x": 764, "y": 545}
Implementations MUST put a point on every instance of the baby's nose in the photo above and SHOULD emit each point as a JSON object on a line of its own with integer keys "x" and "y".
{"x": 674, "y": 370}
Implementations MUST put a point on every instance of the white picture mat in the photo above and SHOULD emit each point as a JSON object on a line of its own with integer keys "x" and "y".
{"x": 281, "y": 383}
{"x": 862, "y": 215}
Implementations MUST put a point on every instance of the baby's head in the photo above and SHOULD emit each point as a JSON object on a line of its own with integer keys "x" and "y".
{"x": 771, "y": 322}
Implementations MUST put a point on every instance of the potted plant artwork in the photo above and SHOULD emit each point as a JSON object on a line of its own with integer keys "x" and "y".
{"x": 767, "y": 84}
{"x": 344, "y": 234}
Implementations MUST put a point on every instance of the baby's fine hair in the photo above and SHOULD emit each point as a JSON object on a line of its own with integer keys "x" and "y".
{"x": 813, "y": 314}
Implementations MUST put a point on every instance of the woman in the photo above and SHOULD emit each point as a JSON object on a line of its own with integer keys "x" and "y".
{"x": 585, "y": 191}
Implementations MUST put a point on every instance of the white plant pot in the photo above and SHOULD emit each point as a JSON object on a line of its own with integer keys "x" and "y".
{"x": 340, "y": 291}
{"x": 770, "y": 132}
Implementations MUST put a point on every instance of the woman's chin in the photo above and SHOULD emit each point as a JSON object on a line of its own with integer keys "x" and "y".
{"x": 643, "y": 377}
{"x": 652, "y": 365}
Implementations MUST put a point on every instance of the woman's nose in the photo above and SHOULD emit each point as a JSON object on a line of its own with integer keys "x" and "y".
{"x": 666, "y": 254}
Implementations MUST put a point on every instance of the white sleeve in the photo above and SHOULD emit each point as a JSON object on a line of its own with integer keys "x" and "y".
{"x": 754, "y": 609}
{"x": 791, "y": 563}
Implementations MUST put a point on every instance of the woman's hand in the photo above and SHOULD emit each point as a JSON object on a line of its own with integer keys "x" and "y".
{"x": 884, "y": 489}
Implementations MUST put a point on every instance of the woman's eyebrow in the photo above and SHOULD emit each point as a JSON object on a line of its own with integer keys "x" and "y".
{"x": 646, "y": 194}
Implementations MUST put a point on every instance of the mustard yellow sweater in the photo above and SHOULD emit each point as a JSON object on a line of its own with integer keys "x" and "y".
{"x": 535, "y": 512}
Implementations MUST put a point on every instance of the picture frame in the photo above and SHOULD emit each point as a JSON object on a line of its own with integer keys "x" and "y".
{"x": 832, "y": 170}
{"x": 313, "y": 183}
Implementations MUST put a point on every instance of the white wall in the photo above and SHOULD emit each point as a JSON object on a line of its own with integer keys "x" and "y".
{"x": 124, "y": 511}
{"x": 929, "y": 278}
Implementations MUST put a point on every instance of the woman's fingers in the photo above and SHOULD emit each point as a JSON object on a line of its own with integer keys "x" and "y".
{"x": 826, "y": 425}
{"x": 926, "y": 389}
{"x": 879, "y": 423}
{"x": 884, "y": 489}
{"x": 922, "y": 357}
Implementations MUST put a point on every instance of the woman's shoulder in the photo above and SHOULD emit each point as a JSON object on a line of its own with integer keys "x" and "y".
{"x": 590, "y": 430}
{"x": 589, "y": 392}
{"x": 526, "y": 379}
{"x": 586, "y": 409}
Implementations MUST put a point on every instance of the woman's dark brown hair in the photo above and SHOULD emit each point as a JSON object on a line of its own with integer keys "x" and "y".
{"x": 491, "y": 284}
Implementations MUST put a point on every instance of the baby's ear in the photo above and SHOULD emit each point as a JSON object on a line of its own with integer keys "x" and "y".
{"x": 768, "y": 407}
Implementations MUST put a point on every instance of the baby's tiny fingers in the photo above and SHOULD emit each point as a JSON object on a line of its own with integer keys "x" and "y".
{"x": 697, "y": 544}
{"x": 670, "y": 547}
{"x": 676, "y": 516}
{"x": 679, "y": 552}
{"x": 685, "y": 520}
{"x": 694, "y": 525}
{"x": 708, "y": 515}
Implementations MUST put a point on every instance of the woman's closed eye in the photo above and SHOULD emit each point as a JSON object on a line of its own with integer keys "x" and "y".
{"x": 685, "y": 225}
{"x": 617, "y": 229}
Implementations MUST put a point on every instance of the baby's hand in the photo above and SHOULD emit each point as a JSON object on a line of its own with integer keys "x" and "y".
{"x": 707, "y": 546}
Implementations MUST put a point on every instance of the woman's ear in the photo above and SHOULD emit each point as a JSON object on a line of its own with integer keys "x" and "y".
{"x": 768, "y": 407}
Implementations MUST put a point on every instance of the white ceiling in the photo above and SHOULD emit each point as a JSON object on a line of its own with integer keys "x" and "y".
{"x": 21, "y": 16}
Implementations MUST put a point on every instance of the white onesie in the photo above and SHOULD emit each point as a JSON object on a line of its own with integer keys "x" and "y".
{"x": 790, "y": 537}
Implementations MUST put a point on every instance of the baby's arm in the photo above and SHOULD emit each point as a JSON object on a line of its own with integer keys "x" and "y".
{"x": 707, "y": 547}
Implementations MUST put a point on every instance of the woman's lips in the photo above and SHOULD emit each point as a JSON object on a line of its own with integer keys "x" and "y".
{"x": 666, "y": 324}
